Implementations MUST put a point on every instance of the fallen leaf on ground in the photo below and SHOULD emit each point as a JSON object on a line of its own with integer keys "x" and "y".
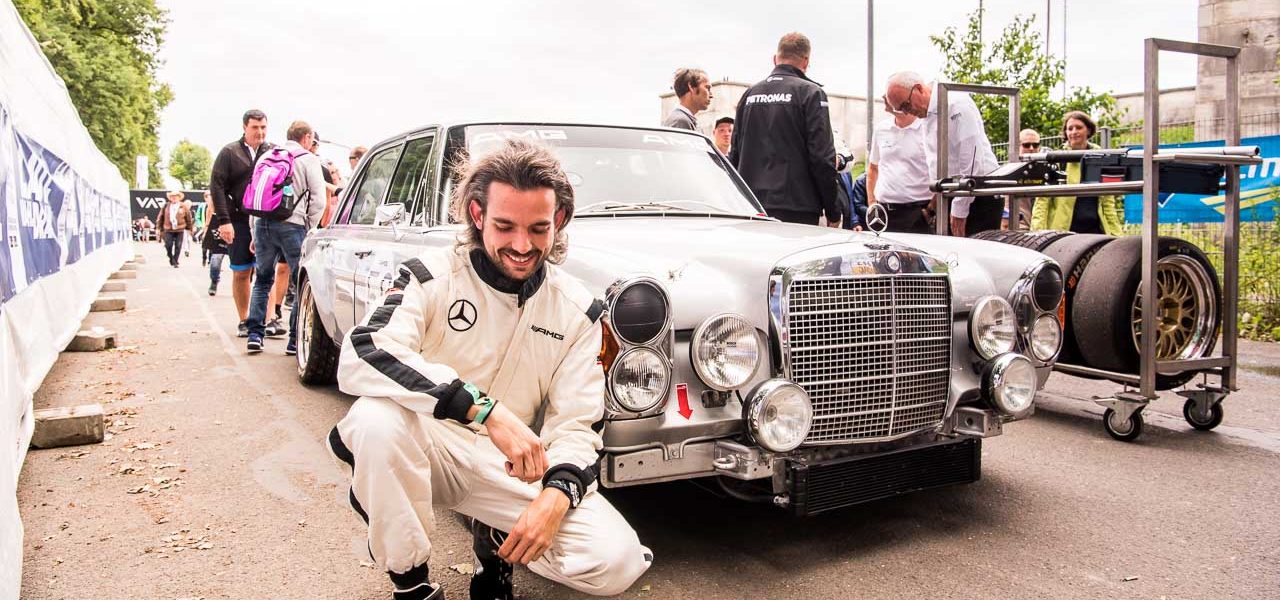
{"x": 140, "y": 489}
{"x": 1130, "y": 578}
{"x": 464, "y": 568}
{"x": 646, "y": 587}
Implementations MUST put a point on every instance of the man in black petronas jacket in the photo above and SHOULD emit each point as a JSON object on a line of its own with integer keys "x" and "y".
{"x": 782, "y": 140}
{"x": 231, "y": 172}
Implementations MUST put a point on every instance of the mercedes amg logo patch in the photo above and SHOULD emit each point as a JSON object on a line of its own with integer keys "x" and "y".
{"x": 462, "y": 315}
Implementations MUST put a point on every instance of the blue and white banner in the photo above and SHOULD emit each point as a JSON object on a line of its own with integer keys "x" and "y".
{"x": 50, "y": 216}
{"x": 1259, "y": 190}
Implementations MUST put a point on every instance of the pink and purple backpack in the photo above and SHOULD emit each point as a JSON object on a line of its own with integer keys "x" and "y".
{"x": 270, "y": 194}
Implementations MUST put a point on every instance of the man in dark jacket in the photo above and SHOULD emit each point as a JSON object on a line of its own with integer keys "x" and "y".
{"x": 231, "y": 172}
{"x": 782, "y": 141}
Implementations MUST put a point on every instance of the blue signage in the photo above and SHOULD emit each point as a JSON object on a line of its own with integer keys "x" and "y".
{"x": 1259, "y": 190}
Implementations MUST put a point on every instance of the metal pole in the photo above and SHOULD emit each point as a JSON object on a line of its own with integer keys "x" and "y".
{"x": 871, "y": 68}
{"x": 1150, "y": 217}
{"x": 940, "y": 169}
{"x": 1014, "y": 203}
{"x": 1048, "y": 18}
{"x": 1231, "y": 245}
{"x": 1064, "y": 48}
{"x": 1105, "y": 137}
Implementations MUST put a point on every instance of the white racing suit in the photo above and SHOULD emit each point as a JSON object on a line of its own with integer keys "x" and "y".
{"x": 448, "y": 320}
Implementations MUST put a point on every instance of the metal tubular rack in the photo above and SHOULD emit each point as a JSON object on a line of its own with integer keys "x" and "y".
{"x": 1123, "y": 416}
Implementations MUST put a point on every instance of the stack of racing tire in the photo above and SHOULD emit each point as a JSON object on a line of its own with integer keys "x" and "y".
{"x": 1102, "y": 310}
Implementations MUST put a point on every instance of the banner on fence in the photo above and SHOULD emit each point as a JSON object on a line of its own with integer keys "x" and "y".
{"x": 64, "y": 227}
{"x": 1259, "y": 190}
{"x": 149, "y": 202}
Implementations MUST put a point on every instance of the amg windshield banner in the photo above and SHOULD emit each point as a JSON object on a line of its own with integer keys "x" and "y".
{"x": 50, "y": 217}
{"x": 1259, "y": 190}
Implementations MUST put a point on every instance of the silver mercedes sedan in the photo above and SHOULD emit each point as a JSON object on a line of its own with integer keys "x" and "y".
{"x": 808, "y": 367}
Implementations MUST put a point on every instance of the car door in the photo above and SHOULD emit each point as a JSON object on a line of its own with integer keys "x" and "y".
{"x": 398, "y": 223}
{"x": 353, "y": 240}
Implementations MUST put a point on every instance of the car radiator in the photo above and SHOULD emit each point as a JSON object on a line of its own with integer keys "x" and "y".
{"x": 873, "y": 352}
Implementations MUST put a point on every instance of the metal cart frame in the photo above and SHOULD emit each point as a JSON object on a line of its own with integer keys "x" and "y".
{"x": 1203, "y": 407}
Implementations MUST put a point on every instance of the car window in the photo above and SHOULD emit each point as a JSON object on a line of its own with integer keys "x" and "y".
{"x": 373, "y": 185}
{"x": 409, "y": 175}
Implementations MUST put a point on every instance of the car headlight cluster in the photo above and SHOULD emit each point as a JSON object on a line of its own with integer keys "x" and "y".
{"x": 725, "y": 351}
{"x": 635, "y": 357}
{"x": 993, "y": 327}
{"x": 778, "y": 415}
{"x": 639, "y": 379}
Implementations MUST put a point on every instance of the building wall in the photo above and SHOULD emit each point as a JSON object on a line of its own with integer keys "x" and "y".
{"x": 1254, "y": 25}
{"x": 1177, "y": 105}
{"x": 848, "y": 113}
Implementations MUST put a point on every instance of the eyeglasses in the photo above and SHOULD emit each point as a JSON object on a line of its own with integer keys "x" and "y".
{"x": 1030, "y": 144}
{"x": 901, "y": 108}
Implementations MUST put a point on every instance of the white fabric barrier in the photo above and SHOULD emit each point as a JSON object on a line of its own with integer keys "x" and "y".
{"x": 64, "y": 227}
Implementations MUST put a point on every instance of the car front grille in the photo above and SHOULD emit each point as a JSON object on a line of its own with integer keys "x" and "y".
{"x": 873, "y": 352}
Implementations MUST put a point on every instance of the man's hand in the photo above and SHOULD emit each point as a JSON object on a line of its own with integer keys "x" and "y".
{"x": 536, "y": 528}
{"x": 523, "y": 449}
{"x": 227, "y": 233}
{"x": 957, "y": 226}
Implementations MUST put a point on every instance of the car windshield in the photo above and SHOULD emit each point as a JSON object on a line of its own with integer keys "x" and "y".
{"x": 617, "y": 170}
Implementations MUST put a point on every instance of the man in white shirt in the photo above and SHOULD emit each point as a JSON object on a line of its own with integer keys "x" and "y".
{"x": 898, "y": 174}
{"x": 693, "y": 88}
{"x": 968, "y": 151}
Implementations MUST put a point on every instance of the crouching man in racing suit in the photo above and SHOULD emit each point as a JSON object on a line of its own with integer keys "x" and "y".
{"x": 473, "y": 351}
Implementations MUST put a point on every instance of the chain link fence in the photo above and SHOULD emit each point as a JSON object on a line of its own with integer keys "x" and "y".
{"x": 1259, "y": 240}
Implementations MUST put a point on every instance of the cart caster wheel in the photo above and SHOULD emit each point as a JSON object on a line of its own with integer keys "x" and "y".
{"x": 1189, "y": 413}
{"x": 1125, "y": 431}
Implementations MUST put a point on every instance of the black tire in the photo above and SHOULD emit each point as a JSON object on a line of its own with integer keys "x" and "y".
{"x": 1033, "y": 240}
{"x": 1103, "y": 309}
{"x": 1125, "y": 432}
{"x": 317, "y": 354}
{"x": 1073, "y": 253}
{"x": 1215, "y": 416}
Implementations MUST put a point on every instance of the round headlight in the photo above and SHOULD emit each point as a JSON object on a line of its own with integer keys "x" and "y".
{"x": 725, "y": 351}
{"x": 1010, "y": 384}
{"x": 638, "y": 312}
{"x": 1046, "y": 337}
{"x": 992, "y": 327}
{"x": 778, "y": 415}
{"x": 1047, "y": 288}
{"x": 639, "y": 379}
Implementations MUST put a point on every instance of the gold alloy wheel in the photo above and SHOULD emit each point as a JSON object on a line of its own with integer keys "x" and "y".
{"x": 1185, "y": 309}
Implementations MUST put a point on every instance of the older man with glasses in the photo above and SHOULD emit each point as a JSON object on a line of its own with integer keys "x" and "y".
{"x": 897, "y": 172}
{"x": 968, "y": 151}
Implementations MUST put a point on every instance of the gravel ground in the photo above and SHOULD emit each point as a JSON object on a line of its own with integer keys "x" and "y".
{"x": 214, "y": 483}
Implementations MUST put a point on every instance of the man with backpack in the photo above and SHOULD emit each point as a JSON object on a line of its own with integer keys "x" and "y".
{"x": 287, "y": 194}
{"x": 227, "y": 180}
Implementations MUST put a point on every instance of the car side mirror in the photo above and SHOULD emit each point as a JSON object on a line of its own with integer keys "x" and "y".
{"x": 390, "y": 214}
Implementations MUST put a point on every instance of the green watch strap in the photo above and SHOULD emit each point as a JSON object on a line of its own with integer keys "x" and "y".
{"x": 486, "y": 407}
{"x": 475, "y": 392}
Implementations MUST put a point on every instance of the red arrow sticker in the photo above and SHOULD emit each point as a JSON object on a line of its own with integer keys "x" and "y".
{"x": 682, "y": 396}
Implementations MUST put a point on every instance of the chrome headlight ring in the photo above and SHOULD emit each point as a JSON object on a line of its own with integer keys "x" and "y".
{"x": 725, "y": 351}
{"x": 1010, "y": 384}
{"x": 639, "y": 310}
{"x": 992, "y": 327}
{"x": 778, "y": 415}
{"x": 639, "y": 379}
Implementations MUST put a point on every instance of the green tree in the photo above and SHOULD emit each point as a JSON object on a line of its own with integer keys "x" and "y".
{"x": 1017, "y": 59}
{"x": 189, "y": 163}
{"x": 106, "y": 53}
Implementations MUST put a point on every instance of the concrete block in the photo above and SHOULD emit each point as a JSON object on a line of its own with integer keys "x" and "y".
{"x": 68, "y": 426}
{"x": 129, "y": 266}
{"x": 140, "y": 259}
{"x": 107, "y": 303}
{"x": 113, "y": 286}
{"x": 124, "y": 275}
{"x": 93, "y": 340}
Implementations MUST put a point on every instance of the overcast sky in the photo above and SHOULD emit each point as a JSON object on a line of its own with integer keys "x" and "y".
{"x": 362, "y": 71}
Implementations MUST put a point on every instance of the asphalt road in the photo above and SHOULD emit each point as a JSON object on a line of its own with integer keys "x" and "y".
{"x": 215, "y": 484}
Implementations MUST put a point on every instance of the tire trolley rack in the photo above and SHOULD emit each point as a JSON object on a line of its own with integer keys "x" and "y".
{"x": 1149, "y": 171}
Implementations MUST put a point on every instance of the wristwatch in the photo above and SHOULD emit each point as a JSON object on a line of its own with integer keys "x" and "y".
{"x": 478, "y": 398}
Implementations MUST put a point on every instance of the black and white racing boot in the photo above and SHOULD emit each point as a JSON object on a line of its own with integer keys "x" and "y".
{"x": 492, "y": 579}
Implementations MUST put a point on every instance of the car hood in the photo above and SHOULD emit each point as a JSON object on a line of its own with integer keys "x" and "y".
{"x": 708, "y": 265}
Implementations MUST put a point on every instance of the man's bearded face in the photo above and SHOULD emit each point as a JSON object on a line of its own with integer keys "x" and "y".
{"x": 518, "y": 228}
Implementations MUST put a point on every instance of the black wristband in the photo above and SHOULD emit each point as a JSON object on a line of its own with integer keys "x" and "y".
{"x": 453, "y": 402}
{"x": 568, "y": 488}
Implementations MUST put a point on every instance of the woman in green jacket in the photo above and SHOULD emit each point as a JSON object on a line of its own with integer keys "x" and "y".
{"x": 1081, "y": 214}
